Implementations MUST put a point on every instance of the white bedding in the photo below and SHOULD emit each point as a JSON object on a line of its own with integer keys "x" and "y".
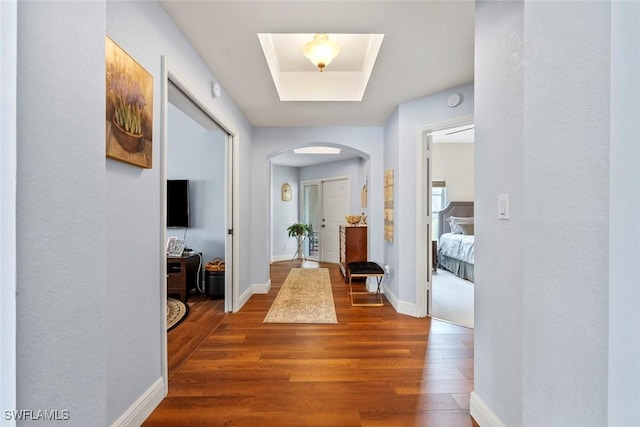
{"x": 457, "y": 246}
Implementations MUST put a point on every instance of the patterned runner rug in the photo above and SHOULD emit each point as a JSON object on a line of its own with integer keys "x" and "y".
{"x": 305, "y": 297}
{"x": 177, "y": 311}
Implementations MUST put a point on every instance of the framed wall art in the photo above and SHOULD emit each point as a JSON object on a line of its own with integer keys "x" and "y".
{"x": 286, "y": 192}
{"x": 129, "y": 120}
{"x": 388, "y": 205}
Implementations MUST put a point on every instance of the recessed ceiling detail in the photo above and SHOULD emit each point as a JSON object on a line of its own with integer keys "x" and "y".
{"x": 317, "y": 150}
{"x": 297, "y": 79}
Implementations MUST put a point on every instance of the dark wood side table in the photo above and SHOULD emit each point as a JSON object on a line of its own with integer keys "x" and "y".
{"x": 353, "y": 246}
{"x": 182, "y": 275}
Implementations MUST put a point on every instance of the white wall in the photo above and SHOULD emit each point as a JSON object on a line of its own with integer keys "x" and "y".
{"x": 391, "y": 161}
{"x": 90, "y": 320}
{"x": 198, "y": 154}
{"x": 624, "y": 255}
{"x": 284, "y": 213}
{"x": 270, "y": 141}
{"x": 566, "y": 158}
{"x": 543, "y": 132}
{"x": 454, "y": 163}
{"x": 61, "y": 202}
{"x": 401, "y": 144}
{"x": 146, "y": 32}
{"x": 498, "y": 268}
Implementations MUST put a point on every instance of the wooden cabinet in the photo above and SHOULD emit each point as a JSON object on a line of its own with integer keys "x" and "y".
{"x": 182, "y": 275}
{"x": 353, "y": 246}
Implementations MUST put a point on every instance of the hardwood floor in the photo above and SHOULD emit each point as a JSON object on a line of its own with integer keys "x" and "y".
{"x": 374, "y": 368}
{"x": 204, "y": 317}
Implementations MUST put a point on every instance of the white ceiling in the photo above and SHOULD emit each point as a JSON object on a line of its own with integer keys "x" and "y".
{"x": 427, "y": 48}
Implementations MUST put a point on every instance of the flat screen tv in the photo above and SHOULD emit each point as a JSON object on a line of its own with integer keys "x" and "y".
{"x": 178, "y": 203}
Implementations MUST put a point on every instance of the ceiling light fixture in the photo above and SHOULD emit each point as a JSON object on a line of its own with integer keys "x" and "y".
{"x": 317, "y": 150}
{"x": 321, "y": 51}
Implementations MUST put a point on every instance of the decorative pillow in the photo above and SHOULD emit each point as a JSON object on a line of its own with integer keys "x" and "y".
{"x": 455, "y": 221}
{"x": 466, "y": 229}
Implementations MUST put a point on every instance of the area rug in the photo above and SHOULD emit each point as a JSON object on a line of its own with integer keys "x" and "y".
{"x": 305, "y": 297}
{"x": 177, "y": 311}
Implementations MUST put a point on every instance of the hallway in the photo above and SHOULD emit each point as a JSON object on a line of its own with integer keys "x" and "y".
{"x": 374, "y": 368}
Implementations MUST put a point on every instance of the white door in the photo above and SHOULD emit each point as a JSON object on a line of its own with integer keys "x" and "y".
{"x": 335, "y": 206}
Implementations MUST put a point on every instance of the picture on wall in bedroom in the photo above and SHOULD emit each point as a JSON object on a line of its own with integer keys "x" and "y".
{"x": 129, "y": 120}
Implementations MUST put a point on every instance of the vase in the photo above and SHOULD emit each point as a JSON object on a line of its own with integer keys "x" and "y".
{"x": 131, "y": 142}
{"x": 300, "y": 252}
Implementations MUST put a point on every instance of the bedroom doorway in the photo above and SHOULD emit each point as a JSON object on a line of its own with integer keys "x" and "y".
{"x": 447, "y": 175}
{"x": 178, "y": 94}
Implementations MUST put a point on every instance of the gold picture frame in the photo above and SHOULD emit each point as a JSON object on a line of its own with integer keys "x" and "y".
{"x": 286, "y": 192}
{"x": 129, "y": 99}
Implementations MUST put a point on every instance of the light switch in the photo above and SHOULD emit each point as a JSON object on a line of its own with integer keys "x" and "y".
{"x": 503, "y": 206}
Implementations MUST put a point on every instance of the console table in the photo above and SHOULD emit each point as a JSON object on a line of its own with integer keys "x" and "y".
{"x": 182, "y": 275}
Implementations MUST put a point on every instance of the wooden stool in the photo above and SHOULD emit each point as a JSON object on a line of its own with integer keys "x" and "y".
{"x": 365, "y": 269}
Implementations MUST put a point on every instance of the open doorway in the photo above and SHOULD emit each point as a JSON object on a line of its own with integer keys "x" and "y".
{"x": 323, "y": 188}
{"x": 197, "y": 152}
{"x": 447, "y": 194}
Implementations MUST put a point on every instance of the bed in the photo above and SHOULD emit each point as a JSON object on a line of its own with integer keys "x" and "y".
{"x": 456, "y": 247}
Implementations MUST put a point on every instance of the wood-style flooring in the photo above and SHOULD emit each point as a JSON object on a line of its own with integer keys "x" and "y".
{"x": 374, "y": 368}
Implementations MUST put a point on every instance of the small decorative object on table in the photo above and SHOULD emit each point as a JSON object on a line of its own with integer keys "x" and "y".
{"x": 353, "y": 219}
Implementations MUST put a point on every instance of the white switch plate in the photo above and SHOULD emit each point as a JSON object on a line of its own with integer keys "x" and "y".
{"x": 503, "y": 206}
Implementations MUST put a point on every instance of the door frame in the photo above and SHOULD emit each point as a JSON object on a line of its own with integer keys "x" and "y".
{"x": 424, "y": 290}
{"x": 170, "y": 72}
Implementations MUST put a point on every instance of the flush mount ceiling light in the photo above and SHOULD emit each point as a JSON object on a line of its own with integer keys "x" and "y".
{"x": 317, "y": 150}
{"x": 321, "y": 51}
{"x": 297, "y": 79}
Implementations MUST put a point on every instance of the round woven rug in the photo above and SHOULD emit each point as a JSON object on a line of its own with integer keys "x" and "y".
{"x": 177, "y": 311}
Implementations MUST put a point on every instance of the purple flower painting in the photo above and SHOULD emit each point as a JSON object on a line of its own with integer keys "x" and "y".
{"x": 129, "y": 101}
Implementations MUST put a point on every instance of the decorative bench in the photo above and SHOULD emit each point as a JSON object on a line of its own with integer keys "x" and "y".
{"x": 365, "y": 269}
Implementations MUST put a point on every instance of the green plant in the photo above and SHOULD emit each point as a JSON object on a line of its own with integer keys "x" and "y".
{"x": 296, "y": 230}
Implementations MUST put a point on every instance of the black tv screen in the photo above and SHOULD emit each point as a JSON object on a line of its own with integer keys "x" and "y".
{"x": 178, "y": 203}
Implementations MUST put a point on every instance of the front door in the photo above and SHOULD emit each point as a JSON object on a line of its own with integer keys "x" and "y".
{"x": 335, "y": 206}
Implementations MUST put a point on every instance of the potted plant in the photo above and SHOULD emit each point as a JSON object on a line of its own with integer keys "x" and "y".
{"x": 299, "y": 231}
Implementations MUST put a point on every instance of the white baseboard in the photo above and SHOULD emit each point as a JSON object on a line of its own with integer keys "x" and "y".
{"x": 260, "y": 288}
{"x": 401, "y": 307}
{"x": 144, "y": 405}
{"x": 483, "y": 415}
{"x": 408, "y": 309}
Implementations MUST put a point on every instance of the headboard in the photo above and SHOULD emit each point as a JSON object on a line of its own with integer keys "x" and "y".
{"x": 462, "y": 209}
